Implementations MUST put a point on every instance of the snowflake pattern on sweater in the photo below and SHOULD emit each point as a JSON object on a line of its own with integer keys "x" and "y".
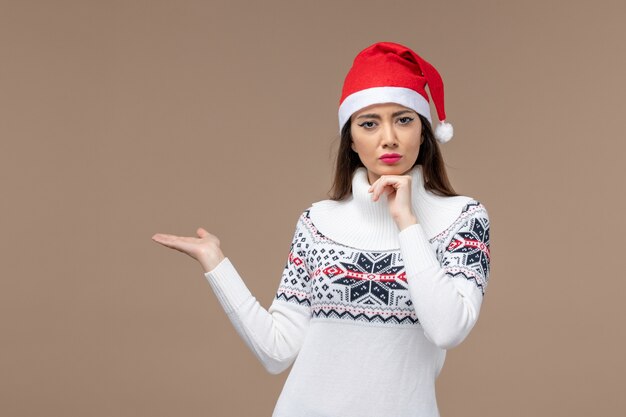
{"x": 341, "y": 282}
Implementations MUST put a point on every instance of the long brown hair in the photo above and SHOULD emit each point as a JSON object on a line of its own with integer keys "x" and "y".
{"x": 435, "y": 176}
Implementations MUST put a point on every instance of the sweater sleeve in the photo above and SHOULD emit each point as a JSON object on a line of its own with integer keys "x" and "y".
{"x": 274, "y": 335}
{"x": 447, "y": 286}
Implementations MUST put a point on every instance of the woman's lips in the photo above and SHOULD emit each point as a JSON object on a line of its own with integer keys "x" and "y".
{"x": 391, "y": 159}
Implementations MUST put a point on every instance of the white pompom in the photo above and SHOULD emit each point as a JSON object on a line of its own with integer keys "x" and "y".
{"x": 444, "y": 132}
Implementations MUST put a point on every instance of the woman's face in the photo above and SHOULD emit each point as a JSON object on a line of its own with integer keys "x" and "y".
{"x": 382, "y": 129}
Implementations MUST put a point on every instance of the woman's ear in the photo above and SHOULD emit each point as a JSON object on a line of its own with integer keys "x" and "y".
{"x": 352, "y": 146}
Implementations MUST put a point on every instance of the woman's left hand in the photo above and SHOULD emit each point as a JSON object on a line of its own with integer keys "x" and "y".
{"x": 398, "y": 190}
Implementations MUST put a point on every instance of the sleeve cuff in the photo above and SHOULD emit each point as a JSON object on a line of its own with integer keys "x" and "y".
{"x": 227, "y": 285}
{"x": 416, "y": 249}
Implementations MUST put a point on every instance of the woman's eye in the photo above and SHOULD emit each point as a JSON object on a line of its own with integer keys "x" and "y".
{"x": 366, "y": 123}
{"x": 408, "y": 120}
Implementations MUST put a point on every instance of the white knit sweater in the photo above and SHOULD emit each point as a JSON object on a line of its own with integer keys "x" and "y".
{"x": 363, "y": 311}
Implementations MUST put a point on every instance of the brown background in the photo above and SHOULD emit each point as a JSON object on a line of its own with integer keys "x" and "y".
{"x": 121, "y": 119}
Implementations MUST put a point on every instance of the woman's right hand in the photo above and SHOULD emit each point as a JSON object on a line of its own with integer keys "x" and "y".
{"x": 205, "y": 248}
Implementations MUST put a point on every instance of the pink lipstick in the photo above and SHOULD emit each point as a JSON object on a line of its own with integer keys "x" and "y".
{"x": 390, "y": 158}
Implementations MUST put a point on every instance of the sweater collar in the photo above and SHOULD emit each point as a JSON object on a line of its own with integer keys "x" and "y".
{"x": 364, "y": 224}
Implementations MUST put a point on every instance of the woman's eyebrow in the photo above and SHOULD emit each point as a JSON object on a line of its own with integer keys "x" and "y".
{"x": 375, "y": 116}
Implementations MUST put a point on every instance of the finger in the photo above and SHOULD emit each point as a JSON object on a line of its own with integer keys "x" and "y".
{"x": 374, "y": 187}
{"x": 164, "y": 239}
{"x": 173, "y": 241}
{"x": 390, "y": 189}
{"x": 385, "y": 185}
{"x": 202, "y": 232}
{"x": 178, "y": 243}
{"x": 375, "y": 183}
{"x": 162, "y": 236}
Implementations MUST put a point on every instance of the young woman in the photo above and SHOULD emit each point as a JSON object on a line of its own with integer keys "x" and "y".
{"x": 382, "y": 278}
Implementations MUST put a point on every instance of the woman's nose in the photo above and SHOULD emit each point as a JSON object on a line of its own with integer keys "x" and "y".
{"x": 389, "y": 136}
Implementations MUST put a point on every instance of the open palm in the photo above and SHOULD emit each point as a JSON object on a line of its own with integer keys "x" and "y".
{"x": 205, "y": 248}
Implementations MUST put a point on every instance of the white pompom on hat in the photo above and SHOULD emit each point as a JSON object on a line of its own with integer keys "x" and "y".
{"x": 387, "y": 72}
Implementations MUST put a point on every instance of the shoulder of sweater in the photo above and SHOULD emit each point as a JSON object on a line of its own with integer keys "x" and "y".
{"x": 469, "y": 209}
{"x": 305, "y": 222}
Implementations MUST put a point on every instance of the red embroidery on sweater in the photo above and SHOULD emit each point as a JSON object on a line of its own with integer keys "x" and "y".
{"x": 457, "y": 243}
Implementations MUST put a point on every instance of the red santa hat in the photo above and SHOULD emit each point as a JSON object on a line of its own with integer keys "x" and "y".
{"x": 387, "y": 72}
